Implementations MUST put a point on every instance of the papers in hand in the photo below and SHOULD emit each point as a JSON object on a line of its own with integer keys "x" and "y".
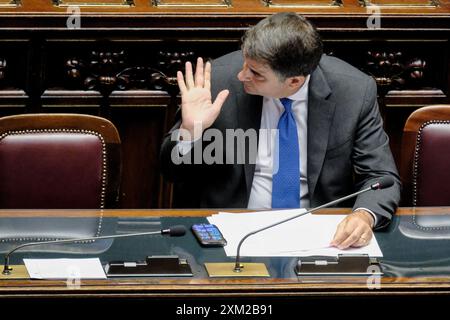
{"x": 65, "y": 268}
{"x": 307, "y": 235}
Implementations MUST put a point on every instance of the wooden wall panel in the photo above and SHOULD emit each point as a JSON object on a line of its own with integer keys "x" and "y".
{"x": 122, "y": 61}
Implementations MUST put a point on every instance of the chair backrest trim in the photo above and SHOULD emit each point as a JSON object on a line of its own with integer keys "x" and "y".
{"x": 103, "y": 175}
{"x": 416, "y": 155}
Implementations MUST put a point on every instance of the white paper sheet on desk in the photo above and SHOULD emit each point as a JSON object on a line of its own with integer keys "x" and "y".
{"x": 65, "y": 268}
{"x": 307, "y": 235}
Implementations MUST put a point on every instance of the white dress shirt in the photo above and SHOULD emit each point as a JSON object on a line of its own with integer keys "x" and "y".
{"x": 272, "y": 109}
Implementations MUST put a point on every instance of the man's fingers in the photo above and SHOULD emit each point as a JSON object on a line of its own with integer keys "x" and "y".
{"x": 359, "y": 237}
{"x": 363, "y": 240}
{"x": 181, "y": 84}
{"x": 189, "y": 76}
{"x": 207, "y": 80}
{"x": 352, "y": 239}
{"x": 355, "y": 230}
{"x": 340, "y": 234}
{"x": 220, "y": 99}
{"x": 199, "y": 78}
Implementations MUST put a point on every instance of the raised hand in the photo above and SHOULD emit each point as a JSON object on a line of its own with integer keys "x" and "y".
{"x": 197, "y": 108}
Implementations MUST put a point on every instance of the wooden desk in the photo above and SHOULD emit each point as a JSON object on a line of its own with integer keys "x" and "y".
{"x": 430, "y": 281}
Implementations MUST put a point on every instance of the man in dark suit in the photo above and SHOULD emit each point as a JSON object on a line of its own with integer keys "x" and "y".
{"x": 330, "y": 139}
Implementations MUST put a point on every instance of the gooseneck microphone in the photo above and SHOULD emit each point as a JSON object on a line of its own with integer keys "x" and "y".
{"x": 383, "y": 183}
{"x": 174, "y": 231}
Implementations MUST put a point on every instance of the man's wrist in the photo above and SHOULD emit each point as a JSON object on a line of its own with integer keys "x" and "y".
{"x": 191, "y": 134}
{"x": 366, "y": 215}
{"x": 185, "y": 134}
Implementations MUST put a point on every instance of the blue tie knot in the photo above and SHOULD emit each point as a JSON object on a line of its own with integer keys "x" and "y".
{"x": 287, "y": 104}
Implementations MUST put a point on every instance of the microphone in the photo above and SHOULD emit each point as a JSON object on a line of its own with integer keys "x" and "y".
{"x": 174, "y": 231}
{"x": 383, "y": 183}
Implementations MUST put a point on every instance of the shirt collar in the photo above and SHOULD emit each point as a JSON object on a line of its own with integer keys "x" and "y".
{"x": 302, "y": 92}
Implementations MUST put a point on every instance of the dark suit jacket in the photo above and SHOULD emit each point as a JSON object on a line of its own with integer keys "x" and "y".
{"x": 347, "y": 146}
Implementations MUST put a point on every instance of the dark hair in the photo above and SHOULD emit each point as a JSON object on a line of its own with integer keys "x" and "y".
{"x": 287, "y": 42}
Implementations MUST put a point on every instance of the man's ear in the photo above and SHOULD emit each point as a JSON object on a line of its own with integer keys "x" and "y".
{"x": 296, "y": 82}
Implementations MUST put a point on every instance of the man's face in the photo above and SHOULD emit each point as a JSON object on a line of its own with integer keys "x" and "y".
{"x": 259, "y": 79}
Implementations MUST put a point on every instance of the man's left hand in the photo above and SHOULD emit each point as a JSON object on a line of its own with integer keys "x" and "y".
{"x": 354, "y": 231}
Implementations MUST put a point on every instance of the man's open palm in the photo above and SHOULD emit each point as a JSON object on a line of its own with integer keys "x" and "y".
{"x": 197, "y": 108}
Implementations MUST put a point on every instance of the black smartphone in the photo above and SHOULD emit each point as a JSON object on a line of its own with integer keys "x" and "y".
{"x": 208, "y": 235}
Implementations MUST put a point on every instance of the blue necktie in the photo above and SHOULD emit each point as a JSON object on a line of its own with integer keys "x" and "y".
{"x": 286, "y": 181}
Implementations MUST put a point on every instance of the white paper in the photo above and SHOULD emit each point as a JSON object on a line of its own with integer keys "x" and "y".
{"x": 307, "y": 235}
{"x": 65, "y": 268}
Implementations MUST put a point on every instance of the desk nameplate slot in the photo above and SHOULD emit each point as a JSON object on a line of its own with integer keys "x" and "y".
{"x": 303, "y": 4}
{"x": 197, "y": 4}
{"x": 387, "y": 4}
{"x": 94, "y": 3}
{"x": 10, "y": 3}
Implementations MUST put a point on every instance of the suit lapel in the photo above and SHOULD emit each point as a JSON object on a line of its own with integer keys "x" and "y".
{"x": 320, "y": 116}
{"x": 249, "y": 108}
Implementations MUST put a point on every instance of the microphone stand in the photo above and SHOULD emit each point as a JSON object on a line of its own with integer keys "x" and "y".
{"x": 7, "y": 268}
{"x": 379, "y": 185}
{"x": 238, "y": 266}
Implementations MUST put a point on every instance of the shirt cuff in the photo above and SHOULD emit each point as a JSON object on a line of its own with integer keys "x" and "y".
{"x": 184, "y": 146}
{"x": 375, "y": 217}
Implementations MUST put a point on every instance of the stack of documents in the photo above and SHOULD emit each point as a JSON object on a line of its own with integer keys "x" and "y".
{"x": 307, "y": 235}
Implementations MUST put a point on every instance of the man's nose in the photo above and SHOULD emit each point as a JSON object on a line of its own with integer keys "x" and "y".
{"x": 244, "y": 74}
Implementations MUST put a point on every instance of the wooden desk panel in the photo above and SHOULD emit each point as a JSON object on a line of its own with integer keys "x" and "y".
{"x": 218, "y": 6}
{"x": 203, "y": 287}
